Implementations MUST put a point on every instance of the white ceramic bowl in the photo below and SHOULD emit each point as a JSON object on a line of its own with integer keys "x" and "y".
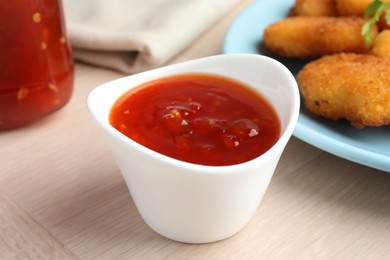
{"x": 196, "y": 203}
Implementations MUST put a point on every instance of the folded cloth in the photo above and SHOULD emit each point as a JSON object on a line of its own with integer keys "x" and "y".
{"x": 137, "y": 35}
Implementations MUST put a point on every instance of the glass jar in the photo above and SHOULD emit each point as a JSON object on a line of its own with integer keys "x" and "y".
{"x": 36, "y": 66}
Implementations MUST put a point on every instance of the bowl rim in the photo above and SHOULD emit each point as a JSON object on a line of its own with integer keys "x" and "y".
{"x": 278, "y": 146}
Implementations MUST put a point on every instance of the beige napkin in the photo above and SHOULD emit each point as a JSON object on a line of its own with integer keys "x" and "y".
{"x": 137, "y": 35}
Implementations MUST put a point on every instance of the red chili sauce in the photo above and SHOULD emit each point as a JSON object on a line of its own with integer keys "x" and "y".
{"x": 36, "y": 65}
{"x": 198, "y": 118}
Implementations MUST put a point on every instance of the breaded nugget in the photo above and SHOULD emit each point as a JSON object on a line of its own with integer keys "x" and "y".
{"x": 350, "y": 86}
{"x": 310, "y": 37}
{"x": 352, "y": 7}
{"x": 381, "y": 45}
{"x": 314, "y": 8}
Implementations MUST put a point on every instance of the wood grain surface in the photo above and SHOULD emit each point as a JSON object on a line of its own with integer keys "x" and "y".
{"x": 62, "y": 195}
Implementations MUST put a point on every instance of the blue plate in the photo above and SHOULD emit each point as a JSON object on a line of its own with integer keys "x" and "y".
{"x": 369, "y": 146}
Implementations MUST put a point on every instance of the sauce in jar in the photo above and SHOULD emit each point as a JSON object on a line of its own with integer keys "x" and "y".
{"x": 36, "y": 67}
{"x": 198, "y": 118}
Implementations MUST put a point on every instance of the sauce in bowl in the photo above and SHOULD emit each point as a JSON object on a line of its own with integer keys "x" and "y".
{"x": 198, "y": 118}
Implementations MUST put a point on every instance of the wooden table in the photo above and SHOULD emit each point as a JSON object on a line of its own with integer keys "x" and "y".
{"x": 63, "y": 197}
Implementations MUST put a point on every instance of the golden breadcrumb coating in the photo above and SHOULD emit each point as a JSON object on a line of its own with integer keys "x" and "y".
{"x": 350, "y": 86}
{"x": 381, "y": 45}
{"x": 314, "y": 8}
{"x": 352, "y": 7}
{"x": 358, "y": 8}
{"x": 311, "y": 37}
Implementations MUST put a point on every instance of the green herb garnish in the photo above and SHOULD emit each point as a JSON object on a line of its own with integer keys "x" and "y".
{"x": 373, "y": 13}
